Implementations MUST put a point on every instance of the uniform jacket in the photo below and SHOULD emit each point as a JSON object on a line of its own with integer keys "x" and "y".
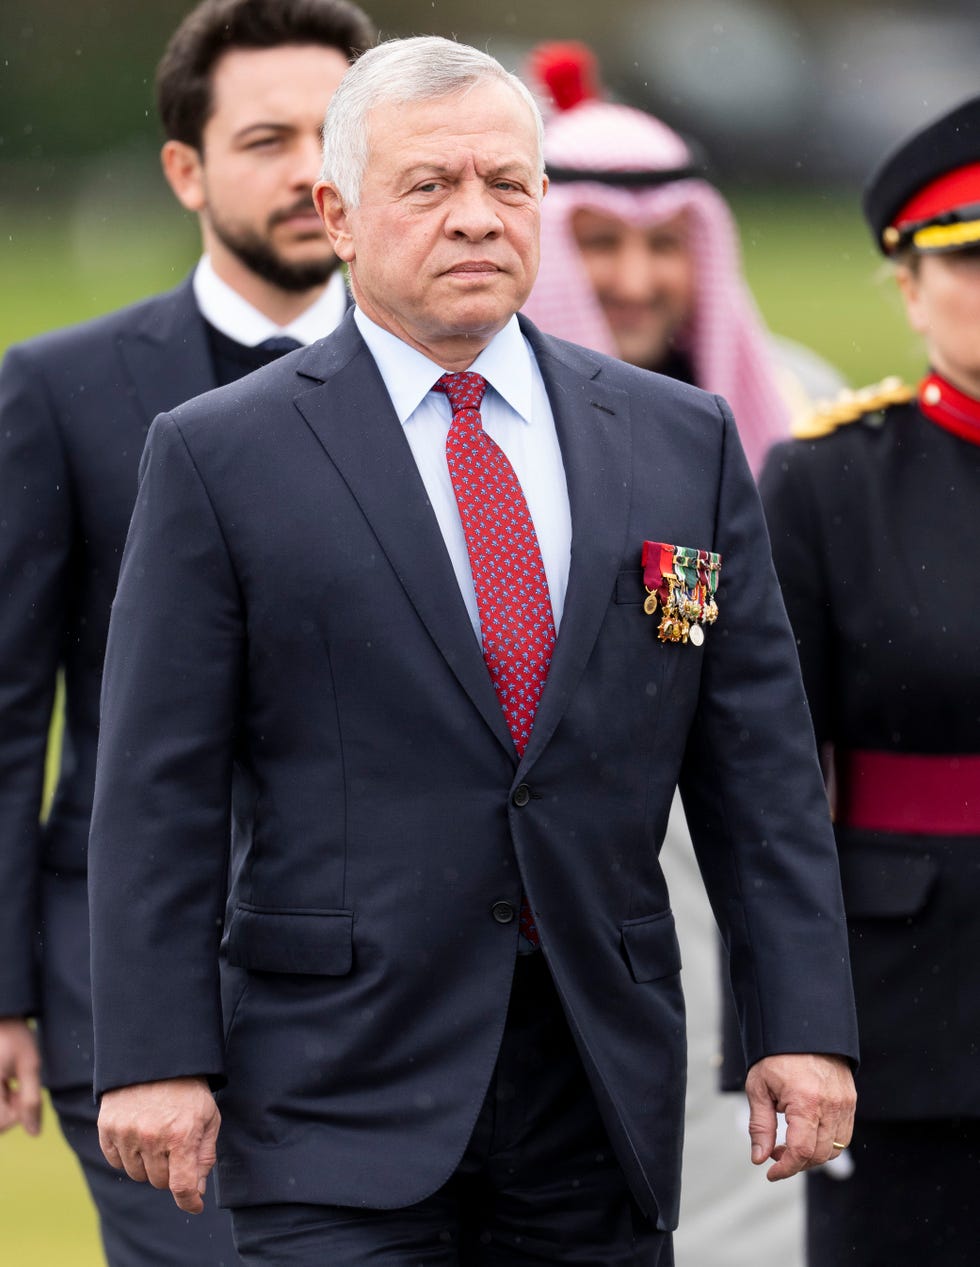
{"x": 75, "y": 407}
{"x": 290, "y": 652}
{"x": 872, "y": 532}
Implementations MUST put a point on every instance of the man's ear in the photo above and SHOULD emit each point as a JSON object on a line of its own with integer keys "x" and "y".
{"x": 336, "y": 220}
{"x": 184, "y": 169}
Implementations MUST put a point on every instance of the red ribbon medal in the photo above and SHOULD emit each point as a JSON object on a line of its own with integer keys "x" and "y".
{"x": 683, "y": 582}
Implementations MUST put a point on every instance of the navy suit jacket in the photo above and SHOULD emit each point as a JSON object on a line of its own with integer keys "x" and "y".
{"x": 289, "y": 652}
{"x": 75, "y": 407}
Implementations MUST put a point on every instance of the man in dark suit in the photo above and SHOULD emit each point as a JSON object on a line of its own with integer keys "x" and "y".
{"x": 446, "y": 1022}
{"x": 243, "y": 88}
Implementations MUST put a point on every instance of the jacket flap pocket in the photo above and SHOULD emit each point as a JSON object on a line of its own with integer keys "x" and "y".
{"x": 883, "y": 880}
{"x": 312, "y": 942}
{"x": 651, "y": 946}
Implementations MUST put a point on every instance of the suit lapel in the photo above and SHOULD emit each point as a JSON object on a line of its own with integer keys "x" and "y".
{"x": 166, "y": 353}
{"x": 352, "y": 417}
{"x": 593, "y": 425}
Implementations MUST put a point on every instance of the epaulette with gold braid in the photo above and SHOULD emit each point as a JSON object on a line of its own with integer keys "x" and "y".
{"x": 849, "y": 406}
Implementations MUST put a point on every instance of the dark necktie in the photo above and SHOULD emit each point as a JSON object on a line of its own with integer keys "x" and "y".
{"x": 512, "y": 596}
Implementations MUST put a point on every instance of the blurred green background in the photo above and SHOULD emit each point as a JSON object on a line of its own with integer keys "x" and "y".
{"x": 791, "y": 99}
{"x": 807, "y": 255}
{"x": 86, "y": 224}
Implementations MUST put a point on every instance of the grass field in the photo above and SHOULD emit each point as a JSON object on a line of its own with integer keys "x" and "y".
{"x": 46, "y": 1219}
{"x": 818, "y": 280}
{"x": 813, "y": 272}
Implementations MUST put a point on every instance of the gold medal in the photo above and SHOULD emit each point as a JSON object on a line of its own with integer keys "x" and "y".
{"x": 680, "y": 587}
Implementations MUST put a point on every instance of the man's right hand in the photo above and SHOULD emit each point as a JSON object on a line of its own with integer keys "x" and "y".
{"x": 20, "y": 1076}
{"x": 164, "y": 1132}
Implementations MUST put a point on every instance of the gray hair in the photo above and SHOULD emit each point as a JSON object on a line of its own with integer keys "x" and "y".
{"x": 422, "y": 68}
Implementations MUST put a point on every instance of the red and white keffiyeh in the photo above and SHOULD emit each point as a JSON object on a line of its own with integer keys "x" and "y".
{"x": 726, "y": 340}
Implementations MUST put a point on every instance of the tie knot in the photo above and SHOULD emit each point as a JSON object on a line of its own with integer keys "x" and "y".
{"x": 465, "y": 390}
{"x": 279, "y": 345}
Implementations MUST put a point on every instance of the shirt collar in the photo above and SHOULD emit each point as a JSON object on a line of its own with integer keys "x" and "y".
{"x": 409, "y": 376}
{"x": 234, "y": 316}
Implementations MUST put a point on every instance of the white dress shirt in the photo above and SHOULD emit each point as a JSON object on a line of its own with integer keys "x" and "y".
{"x": 516, "y": 415}
{"x": 234, "y": 316}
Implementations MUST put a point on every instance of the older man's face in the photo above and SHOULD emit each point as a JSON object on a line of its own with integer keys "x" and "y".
{"x": 443, "y": 248}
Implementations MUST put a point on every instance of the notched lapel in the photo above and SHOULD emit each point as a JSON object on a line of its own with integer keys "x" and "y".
{"x": 352, "y": 417}
{"x": 593, "y": 424}
{"x": 166, "y": 354}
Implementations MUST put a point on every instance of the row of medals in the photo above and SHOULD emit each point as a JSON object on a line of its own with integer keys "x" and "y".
{"x": 684, "y": 613}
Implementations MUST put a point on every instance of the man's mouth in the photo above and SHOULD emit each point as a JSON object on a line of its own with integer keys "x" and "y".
{"x": 477, "y": 267}
{"x": 300, "y": 213}
{"x": 634, "y": 314}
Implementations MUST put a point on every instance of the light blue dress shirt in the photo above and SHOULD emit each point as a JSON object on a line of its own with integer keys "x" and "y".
{"x": 516, "y": 415}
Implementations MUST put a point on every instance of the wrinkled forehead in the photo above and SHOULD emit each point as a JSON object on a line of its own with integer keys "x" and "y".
{"x": 486, "y": 121}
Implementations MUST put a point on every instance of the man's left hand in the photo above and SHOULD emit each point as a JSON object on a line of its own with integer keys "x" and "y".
{"x": 816, "y": 1094}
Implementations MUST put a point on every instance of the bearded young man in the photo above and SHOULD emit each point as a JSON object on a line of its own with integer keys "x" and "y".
{"x": 242, "y": 91}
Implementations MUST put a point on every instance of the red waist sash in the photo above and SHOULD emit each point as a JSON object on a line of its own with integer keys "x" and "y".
{"x": 909, "y": 793}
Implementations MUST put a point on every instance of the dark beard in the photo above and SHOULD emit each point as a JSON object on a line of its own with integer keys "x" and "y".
{"x": 261, "y": 259}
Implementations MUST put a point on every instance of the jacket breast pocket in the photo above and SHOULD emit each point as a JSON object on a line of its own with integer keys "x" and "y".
{"x": 309, "y": 942}
{"x": 630, "y": 587}
{"x": 651, "y": 947}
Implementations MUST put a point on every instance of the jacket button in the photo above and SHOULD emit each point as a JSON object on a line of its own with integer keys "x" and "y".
{"x": 522, "y": 794}
{"x": 503, "y": 912}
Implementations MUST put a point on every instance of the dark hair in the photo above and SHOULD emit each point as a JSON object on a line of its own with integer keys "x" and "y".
{"x": 185, "y": 73}
{"x": 907, "y": 257}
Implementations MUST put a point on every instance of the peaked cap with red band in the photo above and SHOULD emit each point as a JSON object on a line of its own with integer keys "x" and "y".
{"x": 925, "y": 194}
{"x": 627, "y": 164}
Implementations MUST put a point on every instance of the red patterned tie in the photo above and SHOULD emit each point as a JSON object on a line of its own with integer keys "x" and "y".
{"x": 505, "y": 559}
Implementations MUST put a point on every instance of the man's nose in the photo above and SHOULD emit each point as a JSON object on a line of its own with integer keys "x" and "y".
{"x": 307, "y": 161}
{"x": 472, "y": 213}
{"x": 639, "y": 274}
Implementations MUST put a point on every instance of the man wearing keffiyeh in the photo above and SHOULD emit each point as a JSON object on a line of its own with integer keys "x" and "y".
{"x": 640, "y": 254}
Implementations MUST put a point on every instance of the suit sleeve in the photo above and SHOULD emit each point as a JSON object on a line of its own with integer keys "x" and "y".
{"x": 35, "y": 547}
{"x": 158, "y": 851}
{"x": 756, "y": 805}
